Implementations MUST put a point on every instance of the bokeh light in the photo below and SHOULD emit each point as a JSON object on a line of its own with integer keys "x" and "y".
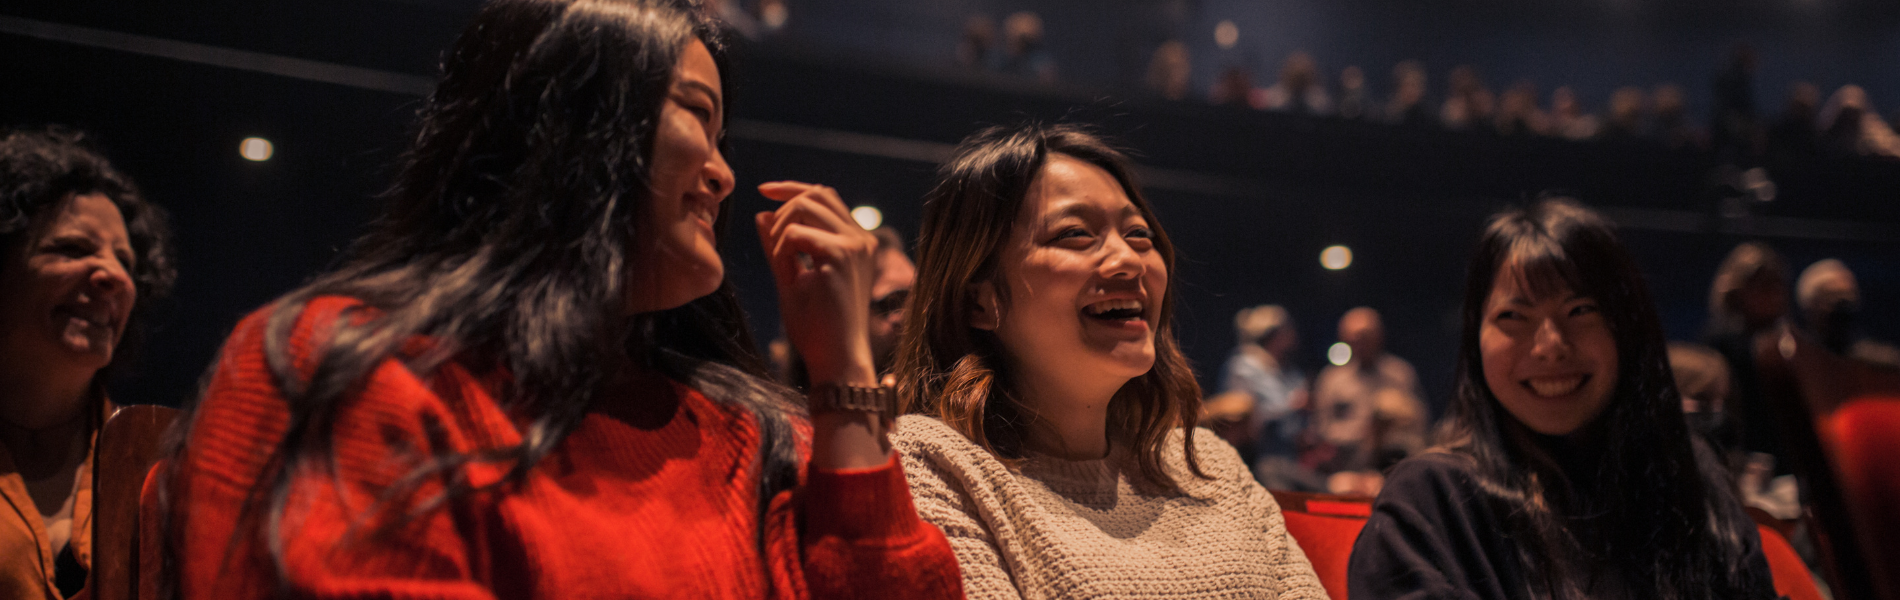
{"x": 256, "y": 149}
{"x": 1226, "y": 34}
{"x": 868, "y": 217}
{"x": 1335, "y": 258}
{"x": 1339, "y": 354}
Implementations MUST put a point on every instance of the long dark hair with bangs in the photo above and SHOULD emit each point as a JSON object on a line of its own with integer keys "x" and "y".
{"x": 953, "y": 371}
{"x": 507, "y": 242}
{"x": 1648, "y": 502}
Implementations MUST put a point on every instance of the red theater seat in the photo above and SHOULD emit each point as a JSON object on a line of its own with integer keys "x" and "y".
{"x": 1862, "y": 437}
{"x": 1325, "y": 526}
{"x": 1792, "y": 578}
{"x": 1840, "y": 424}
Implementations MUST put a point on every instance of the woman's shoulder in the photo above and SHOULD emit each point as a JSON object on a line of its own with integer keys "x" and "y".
{"x": 926, "y": 438}
{"x": 1216, "y": 458}
{"x": 306, "y": 328}
{"x": 1445, "y": 479}
{"x": 945, "y": 467}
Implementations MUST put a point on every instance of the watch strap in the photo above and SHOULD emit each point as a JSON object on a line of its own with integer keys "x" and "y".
{"x": 855, "y": 398}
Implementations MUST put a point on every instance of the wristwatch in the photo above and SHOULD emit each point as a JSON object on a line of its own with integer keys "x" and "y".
{"x": 855, "y": 398}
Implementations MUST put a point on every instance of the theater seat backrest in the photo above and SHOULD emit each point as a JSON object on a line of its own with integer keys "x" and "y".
{"x": 1792, "y": 578}
{"x": 1326, "y": 526}
{"x": 1863, "y": 437}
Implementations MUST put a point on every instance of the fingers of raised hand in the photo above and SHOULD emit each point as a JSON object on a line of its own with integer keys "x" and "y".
{"x": 807, "y": 211}
{"x": 787, "y": 190}
{"x": 822, "y": 248}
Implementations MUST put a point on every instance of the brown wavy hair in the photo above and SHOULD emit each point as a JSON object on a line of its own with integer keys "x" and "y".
{"x": 948, "y": 369}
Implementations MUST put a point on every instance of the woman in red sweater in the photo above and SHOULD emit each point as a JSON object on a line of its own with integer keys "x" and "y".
{"x": 531, "y": 379}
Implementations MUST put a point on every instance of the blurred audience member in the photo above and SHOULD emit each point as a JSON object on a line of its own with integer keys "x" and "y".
{"x": 977, "y": 48}
{"x": 1625, "y": 119}
{"x": 890, "y": 291}
{"x": 1299, "y": 90}
{"x": 1703, "y": 379}
{"x": 1567, "y": 119}
{"x": 1518, "y": 113}
{"x": 1850, "y": 127}
{"x": 82, "y": 255}
{"x": 1232, "y": 88}
{"x": 1407, "y": 104}
{"x": 1371, "y": 409}
{"x": 1026, "y": 56}
{"x": 1829, "y": 297}
{"x": 1749, "y": 297}
{"x": 1794, "y": 134}
{"x": 1264, "y": 398}
{"x": 1468, "y": 103}
{"x": 1353, "y": 100}
{"x": 1170, "y": 70}
{"x": 1734, "y": 130}
{"x": 1673, "y": 129}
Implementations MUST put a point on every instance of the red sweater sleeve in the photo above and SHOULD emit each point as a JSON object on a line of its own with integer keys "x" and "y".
{"x": 341, "y": 537}
{"x": 863, "y": 538}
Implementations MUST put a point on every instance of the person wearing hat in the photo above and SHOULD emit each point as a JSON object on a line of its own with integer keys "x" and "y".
{"x": 1261, "y": 406}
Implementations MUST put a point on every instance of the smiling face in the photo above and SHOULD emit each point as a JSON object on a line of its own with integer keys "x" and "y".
{"x": 678, "y": 260}
{"x": 1085, "y": 280}
{"x": 1550, "y": 360}
{"x": 68, "y": 287}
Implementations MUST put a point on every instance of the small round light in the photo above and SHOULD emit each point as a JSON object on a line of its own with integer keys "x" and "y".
{"x": 773, "y": 14}
{"x": 1226, "y": 34}
{"x": 868, "y": 217}
{"x": 256, "y": 149}
{"x": 1339, "y": 354}
{"x": 1335, "y": 258}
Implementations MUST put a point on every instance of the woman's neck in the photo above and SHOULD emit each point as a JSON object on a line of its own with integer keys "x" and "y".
{"x": 40, "y": 420}
{"x": 1068, "y": 416}
{"x": 35, "y": 397}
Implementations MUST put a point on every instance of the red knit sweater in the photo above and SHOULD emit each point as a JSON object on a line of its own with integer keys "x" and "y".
{"x": 652, "y": 495}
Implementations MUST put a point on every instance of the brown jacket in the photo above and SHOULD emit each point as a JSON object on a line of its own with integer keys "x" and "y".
{"x": 26, "y": 552}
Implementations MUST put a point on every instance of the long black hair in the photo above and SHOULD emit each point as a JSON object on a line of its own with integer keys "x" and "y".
{"x": 1638, "y": 497}
{"x": 507, "y": 242}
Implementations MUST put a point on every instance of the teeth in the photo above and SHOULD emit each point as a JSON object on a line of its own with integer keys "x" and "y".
{"x": 96, "y": 318}
{"x": 1555, "y": 386}
{"x": 1108, "y": 305}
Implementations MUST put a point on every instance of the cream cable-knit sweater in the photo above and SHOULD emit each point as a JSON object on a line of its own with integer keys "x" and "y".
{"x": 1080, "y": 529}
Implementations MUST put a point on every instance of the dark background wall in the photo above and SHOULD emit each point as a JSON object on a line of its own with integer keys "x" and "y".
{"x": 1250, "y": 197}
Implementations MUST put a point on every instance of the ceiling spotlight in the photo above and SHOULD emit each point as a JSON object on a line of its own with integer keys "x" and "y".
{"x": 868, "y": 217}
{"x": 1335, "y": 258}
{"x": 1226, "y": 34}
{"x": 1339, "y": 354}
{"x": 255, "y": 149}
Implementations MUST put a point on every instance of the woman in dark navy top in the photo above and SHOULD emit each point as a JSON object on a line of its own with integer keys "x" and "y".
{"x": 1566, "y": 470}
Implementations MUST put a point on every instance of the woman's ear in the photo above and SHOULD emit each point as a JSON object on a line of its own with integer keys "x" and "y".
{"x": 984, "y": 313}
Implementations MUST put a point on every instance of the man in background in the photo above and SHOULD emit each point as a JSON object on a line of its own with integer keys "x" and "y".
{"x": 1370, "y": 410}
{"x": 1261, "y": 406}
{"x": 1829, "y": 297}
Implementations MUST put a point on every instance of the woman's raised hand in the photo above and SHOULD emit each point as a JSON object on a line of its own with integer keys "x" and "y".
{"x": 824, "y": 264}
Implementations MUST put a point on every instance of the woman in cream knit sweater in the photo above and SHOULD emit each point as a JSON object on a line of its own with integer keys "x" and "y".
{"x": 1048, "y": 394}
